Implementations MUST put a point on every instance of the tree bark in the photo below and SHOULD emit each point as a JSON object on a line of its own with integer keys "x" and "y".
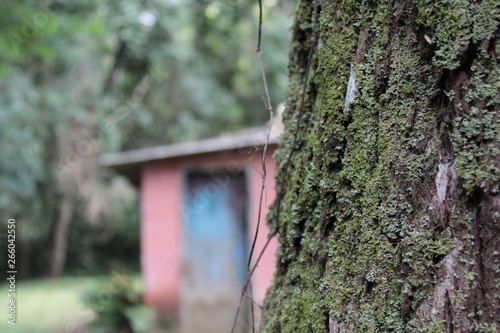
{"x": 388, "y": 206}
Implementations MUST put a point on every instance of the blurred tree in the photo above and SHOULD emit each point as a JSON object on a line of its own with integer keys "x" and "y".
{"x": 79, "y": 78}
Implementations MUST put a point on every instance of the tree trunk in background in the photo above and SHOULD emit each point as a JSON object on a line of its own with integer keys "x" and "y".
{"x": 388, "y": 208}
{"x": 59, "y": 245}
{"x": 24, "y": 252}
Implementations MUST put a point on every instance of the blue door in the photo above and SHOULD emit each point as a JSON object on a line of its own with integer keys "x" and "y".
{"x": 214, "y": 250}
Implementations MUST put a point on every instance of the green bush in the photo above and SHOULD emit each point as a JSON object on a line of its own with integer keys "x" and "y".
{"x": 112, "y": 304}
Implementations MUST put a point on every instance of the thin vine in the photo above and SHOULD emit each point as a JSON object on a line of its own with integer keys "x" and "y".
{"x": 267, "y": 102}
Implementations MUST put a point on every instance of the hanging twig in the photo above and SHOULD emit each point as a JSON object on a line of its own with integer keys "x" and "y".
{"x": 252, "y": 309}
{"x": 255, "y": 303}
{"x": 269, "y": 108}
{"x": 249, "y": 276}
{"x": 268, "y": 105}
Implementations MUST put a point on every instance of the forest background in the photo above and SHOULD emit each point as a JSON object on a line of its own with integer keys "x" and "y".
{"x": 82, "y": 78}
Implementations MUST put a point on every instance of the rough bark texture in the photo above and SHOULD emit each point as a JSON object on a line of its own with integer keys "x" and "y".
{"x": 388, "y": 210}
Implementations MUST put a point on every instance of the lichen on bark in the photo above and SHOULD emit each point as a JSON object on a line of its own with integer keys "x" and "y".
{"x": 388, "y": 212}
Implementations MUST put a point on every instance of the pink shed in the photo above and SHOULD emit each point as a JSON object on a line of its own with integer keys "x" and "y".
{"x": 199, "y": 205}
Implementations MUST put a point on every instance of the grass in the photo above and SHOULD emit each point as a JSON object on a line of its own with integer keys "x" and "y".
{"x": 52, "y": 306}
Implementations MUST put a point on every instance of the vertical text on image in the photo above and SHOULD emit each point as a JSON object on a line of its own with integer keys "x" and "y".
{"x": 11, "y": 271}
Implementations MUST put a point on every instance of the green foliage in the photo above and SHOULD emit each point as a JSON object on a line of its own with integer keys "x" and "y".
{"x": 207, "y": 76}
{"x": 111, "y": 303}
{"x": 117, "y": 75}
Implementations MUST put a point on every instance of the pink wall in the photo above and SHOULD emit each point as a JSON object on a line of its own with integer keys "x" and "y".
{"x": 160, "y": 198}
{"x": 161, "y": 195}
{"x": 264, "y": 273}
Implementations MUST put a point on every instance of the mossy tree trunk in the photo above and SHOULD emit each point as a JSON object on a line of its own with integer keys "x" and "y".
{"x": 388, "y": 208}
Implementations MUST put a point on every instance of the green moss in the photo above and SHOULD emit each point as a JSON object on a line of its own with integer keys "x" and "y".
{"x": 449, "y": 23}
{"x": 477, "y": 164}
{"x": 361, "y": 237}
{"x": 435, "y": 327}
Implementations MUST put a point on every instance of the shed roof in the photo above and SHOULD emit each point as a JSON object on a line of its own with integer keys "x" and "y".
{"x": 128, "y": 163}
